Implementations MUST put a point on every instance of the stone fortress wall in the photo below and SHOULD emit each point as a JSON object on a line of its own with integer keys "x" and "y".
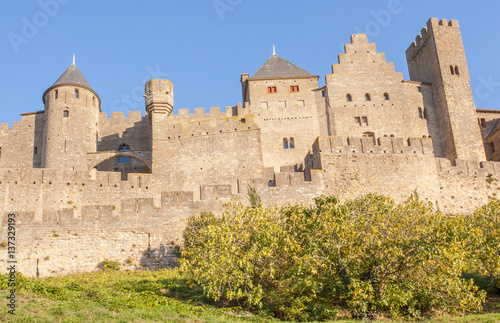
{"x": 124, "y": 193}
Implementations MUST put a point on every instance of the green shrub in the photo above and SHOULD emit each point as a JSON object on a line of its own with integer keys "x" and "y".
{"x": 485, "y": 226}
{"x": 253, "y": 196}
{"x": 368, "y": 255}
{"x": 109, "y": 265}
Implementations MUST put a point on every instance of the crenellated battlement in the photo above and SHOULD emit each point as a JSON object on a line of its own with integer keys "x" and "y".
{"x": 182, "y": 128}
{"x": 201, "y": 113}
{"x": 433, "y": 24}
{"x": 370, "y": 145}
{"x": 132, "y": 116}
{"x": 473, "y": 168}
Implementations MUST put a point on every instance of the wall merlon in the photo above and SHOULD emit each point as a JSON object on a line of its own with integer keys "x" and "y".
{"x": 432, "y": 22}
{"x": 117, "y": 115}
{"x": 215, "y": 192}
{"x": 176, "y": 198}
{"x": 283, "y": 179}
{"x": 488, "y": 166}
{"x": 183, "y": 112}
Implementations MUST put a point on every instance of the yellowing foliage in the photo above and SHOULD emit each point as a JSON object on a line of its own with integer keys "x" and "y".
{"x": 367, "y": 255}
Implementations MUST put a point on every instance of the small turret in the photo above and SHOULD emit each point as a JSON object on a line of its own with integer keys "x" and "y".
{"x": 159, "y": 96}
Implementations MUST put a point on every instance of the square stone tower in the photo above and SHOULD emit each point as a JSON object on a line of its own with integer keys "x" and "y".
{"x": 437, "y": 56}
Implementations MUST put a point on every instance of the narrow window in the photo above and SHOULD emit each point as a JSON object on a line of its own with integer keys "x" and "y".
{"x": 364, "y": 120}
{"x": 425, "y": 113}
{"x": 271, "y": 89}
{"x": 292, "y": 143}
{"x": 420, "y": 114}
{"x": 77, "y": 95}
{"x": 386, "y": 96}
{"x": 285, "y": 143}
{"x": 35, "y": 150}
{"x": 0, "y": 152}
{"x": 294, "y": 88}
{"x": 65, "y": 113}
{"x": 483, "y": 122}
{"x": 357, "y": 120}
{"x": 452, "y": 70}
{"x": 348, "y": 98}
{"x": 124, "y": 160}
{"x": 56, "y": 94}
{"x": 93, "y": 100}
{"x": 323, "y": 94}
{"x": 456, "y": 70}
{"x": 368, "y": 97}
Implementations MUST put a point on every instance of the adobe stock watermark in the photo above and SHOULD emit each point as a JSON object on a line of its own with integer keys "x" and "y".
{"x": 381, "y": 19}
{"x": 224, "y": 6}
{"x": 135, "y": 97}
{"x": 486, "y": 87}
{"x": 30, "y": 27}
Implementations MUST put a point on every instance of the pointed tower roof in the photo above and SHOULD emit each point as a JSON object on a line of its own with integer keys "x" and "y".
{"x": 72, "y": 76}
{"x": 277, "y": 67}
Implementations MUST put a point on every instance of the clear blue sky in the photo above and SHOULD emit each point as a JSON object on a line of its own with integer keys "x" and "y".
{"x": 204, "y": 46}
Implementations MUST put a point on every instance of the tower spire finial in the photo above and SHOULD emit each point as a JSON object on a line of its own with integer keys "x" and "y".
{"x": 274, "y": 49}
{"x": 73, "y": 59}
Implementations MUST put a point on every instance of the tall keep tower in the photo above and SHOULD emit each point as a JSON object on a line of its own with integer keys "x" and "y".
{"x": 437, "y": 56}
{"x": 71, "y": 115}
{"x": 159, "y": 95}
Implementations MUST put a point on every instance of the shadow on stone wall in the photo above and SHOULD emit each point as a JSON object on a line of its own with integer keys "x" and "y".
{"x": 161, "y": 257}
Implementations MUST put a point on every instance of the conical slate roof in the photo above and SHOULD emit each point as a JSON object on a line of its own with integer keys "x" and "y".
{"x": 72, "y": 76}
{"x": 278, "y": 67}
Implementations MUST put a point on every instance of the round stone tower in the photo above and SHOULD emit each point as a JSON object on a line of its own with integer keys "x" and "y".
{"x": 71, "y": 115}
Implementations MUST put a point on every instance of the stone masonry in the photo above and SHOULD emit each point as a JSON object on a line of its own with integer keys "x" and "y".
{"x": 86, "y": 187}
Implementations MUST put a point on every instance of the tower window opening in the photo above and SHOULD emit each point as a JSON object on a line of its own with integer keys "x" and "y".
{"x": 420, "y": 113}
{"x": 93, "y": 100}
{"x": 124, "y": 160}
{"x": 364, "y": 120}
{"x": 56, "y": 94}
{"x": 348, "y": 97}
{"x": 368, "y": 97}
{"x": 77, "y": 94}
{"x": 35, "y": 150}
{"x": 425, "y": 114}
{"x": 285, "y": 143}
{"x": 292, "y": 143}
{"x": 271, "y": 89}
{"x": 65, "y": 113}
{"x": 457, "y": 72}
{"x": 452, "y": 70}
{"x": 357, "y": 120}
{"x": 483, "y": 122}
{"x": 294, "y": 88}
{"x": 386, "y": 96}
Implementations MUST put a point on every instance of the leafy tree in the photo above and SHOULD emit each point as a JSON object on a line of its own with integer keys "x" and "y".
{"x": 485, "y": 225}
{"x": 367, "y": 255}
